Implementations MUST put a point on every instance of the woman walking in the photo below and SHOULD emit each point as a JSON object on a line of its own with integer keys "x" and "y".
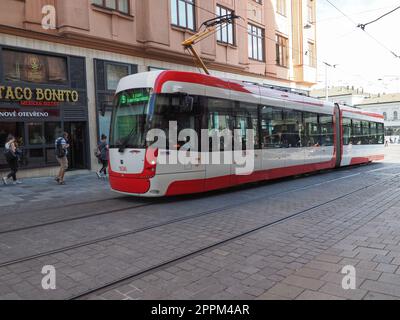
{"x": 12, "y": 159}
{"x": 103, "y": 156}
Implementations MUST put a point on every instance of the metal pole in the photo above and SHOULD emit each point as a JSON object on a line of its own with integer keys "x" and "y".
{"x": 326, "y": 82}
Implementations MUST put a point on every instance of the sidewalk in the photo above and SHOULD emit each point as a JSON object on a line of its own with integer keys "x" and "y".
{"x": 40, "y": 192}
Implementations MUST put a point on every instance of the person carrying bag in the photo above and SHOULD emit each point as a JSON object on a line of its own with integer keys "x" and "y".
{"x": 12, "y": 160}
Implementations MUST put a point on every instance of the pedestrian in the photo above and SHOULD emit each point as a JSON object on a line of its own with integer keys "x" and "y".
{"x": 12, "y": 159}
{"x": 61, "y": 155}
{"x": 102, "y": 152}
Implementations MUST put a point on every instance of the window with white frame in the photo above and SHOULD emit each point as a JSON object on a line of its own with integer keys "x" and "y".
{"x": 226, "y": 33}
{"x": 256, "y": 42}
{"x": 282, "y": 51}
{"x": 281, "y": 7}
{"x": 182, "y": 13}
{"x": 310, "y": 11}
{"x": 312, "y": 62}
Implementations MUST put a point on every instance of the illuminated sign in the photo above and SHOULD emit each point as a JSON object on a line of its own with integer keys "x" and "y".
{"x": 134, "y": 98}
{"x": 47, "y": 96}
{"x": 29, "y": 114}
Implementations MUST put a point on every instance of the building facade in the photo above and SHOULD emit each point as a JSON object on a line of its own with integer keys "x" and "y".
{"x": 347, "y": 95}
{"x": 389, "y": 106}
{"x": 63, "y": 78}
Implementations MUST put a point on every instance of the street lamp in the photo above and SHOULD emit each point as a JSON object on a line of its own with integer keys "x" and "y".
{"x": 326, "y": 78}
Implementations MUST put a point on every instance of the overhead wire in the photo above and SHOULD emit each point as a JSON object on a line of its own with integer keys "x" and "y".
{"x": 357, "y": 25}
{"x": 274, "y": 40}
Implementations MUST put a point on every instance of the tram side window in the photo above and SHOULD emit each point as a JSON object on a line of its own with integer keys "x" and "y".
{"x": 311, "y": 130}
{"x": 373, "y": 133}
{"x": 380, "y": 133}
{"x": 356, "y": 133}
{"x": 292, "y": 129}
{"x": 246, "y": 118}
{"x": 347, "y": 131}
{"x": 366, "y": 133}
{"x": 271, "y": 127}
{"x": 169, "y": 108}
{"x": 219, "y": 118}
{"x": 326, "y": 129}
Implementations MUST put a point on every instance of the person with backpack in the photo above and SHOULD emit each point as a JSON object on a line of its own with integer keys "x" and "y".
{"x": 61, "y": 155}
{"x": 12, "y": 159}
{"x": 102, "y": 154}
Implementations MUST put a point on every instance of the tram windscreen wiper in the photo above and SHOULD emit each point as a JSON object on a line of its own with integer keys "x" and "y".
{"x": 126, "y": 140}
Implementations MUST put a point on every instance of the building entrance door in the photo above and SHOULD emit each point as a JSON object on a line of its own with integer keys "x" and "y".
{"x": 78, "y": 145}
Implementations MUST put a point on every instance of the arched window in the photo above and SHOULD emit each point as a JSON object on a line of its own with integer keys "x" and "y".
{"x": 395, "y": 116}
{"x": 385, "y": 115}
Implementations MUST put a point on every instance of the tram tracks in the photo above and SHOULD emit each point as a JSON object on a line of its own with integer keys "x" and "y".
{"x": 171, "y": 221}
{"x": 136, "y": 206}
{"x": 217, "y": 244}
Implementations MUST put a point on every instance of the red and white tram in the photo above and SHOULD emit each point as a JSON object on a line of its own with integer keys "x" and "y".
{"x": 293, "y": 134}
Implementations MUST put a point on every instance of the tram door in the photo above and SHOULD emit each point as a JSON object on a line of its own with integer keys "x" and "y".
{"x": 248, "y": 158}
{"x": 219, "y": 166}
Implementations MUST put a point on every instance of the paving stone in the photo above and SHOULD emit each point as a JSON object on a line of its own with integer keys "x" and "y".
{"x": 284, "y": 290}
{"x": 302, "y": 282}
{"x": 310, "y": 273}
{"x": 379, "y": 296}
{"x": 312, "y": 295}
{"x": 382, "y": 287}
{"x": 337, "y": 290}
{"x": 384, "y": 267}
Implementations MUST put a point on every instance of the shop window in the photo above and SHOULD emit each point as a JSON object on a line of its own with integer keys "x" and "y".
{"x": 35, "y": 133}
{"x": 52, "y": 130}
{"x": 51, "y": 156}
{"x": 108, "y": 75}
{"x": 33, "y": 67}
{"x": 78, "y": 73}
{"x": 115, "y": 72}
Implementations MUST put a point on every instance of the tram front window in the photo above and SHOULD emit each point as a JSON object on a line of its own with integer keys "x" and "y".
{"x": 129, "y": 119}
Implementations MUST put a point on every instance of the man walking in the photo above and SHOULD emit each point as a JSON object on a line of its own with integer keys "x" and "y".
{"x": 61, "y": 154}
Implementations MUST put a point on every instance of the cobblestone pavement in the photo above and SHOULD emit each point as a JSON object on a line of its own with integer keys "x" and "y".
{"x": 338, "y": 218}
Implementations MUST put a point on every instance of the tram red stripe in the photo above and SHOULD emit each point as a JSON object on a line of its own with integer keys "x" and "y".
{"x": 196, "y": 78}
{"x": 369, "y": 114}
{"x": 359, "y": 160}
{"x": 202, "y": 185}
{"x": 129, "y": 185}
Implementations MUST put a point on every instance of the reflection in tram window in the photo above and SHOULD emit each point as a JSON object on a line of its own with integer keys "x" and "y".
{"x": 356, "y": 132}
{"x": 347, "y": 131}
{"x": 246, "y": 118}
{"x": 326, "y": 129}
{"x": 292, "y": 129}
{"x": 311, "y": 130}
{"x": 362, "y": 132}
{"x": 271, "y": 127}
{"x": 219, "y": 119}
{"x": 171, "y": 108}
